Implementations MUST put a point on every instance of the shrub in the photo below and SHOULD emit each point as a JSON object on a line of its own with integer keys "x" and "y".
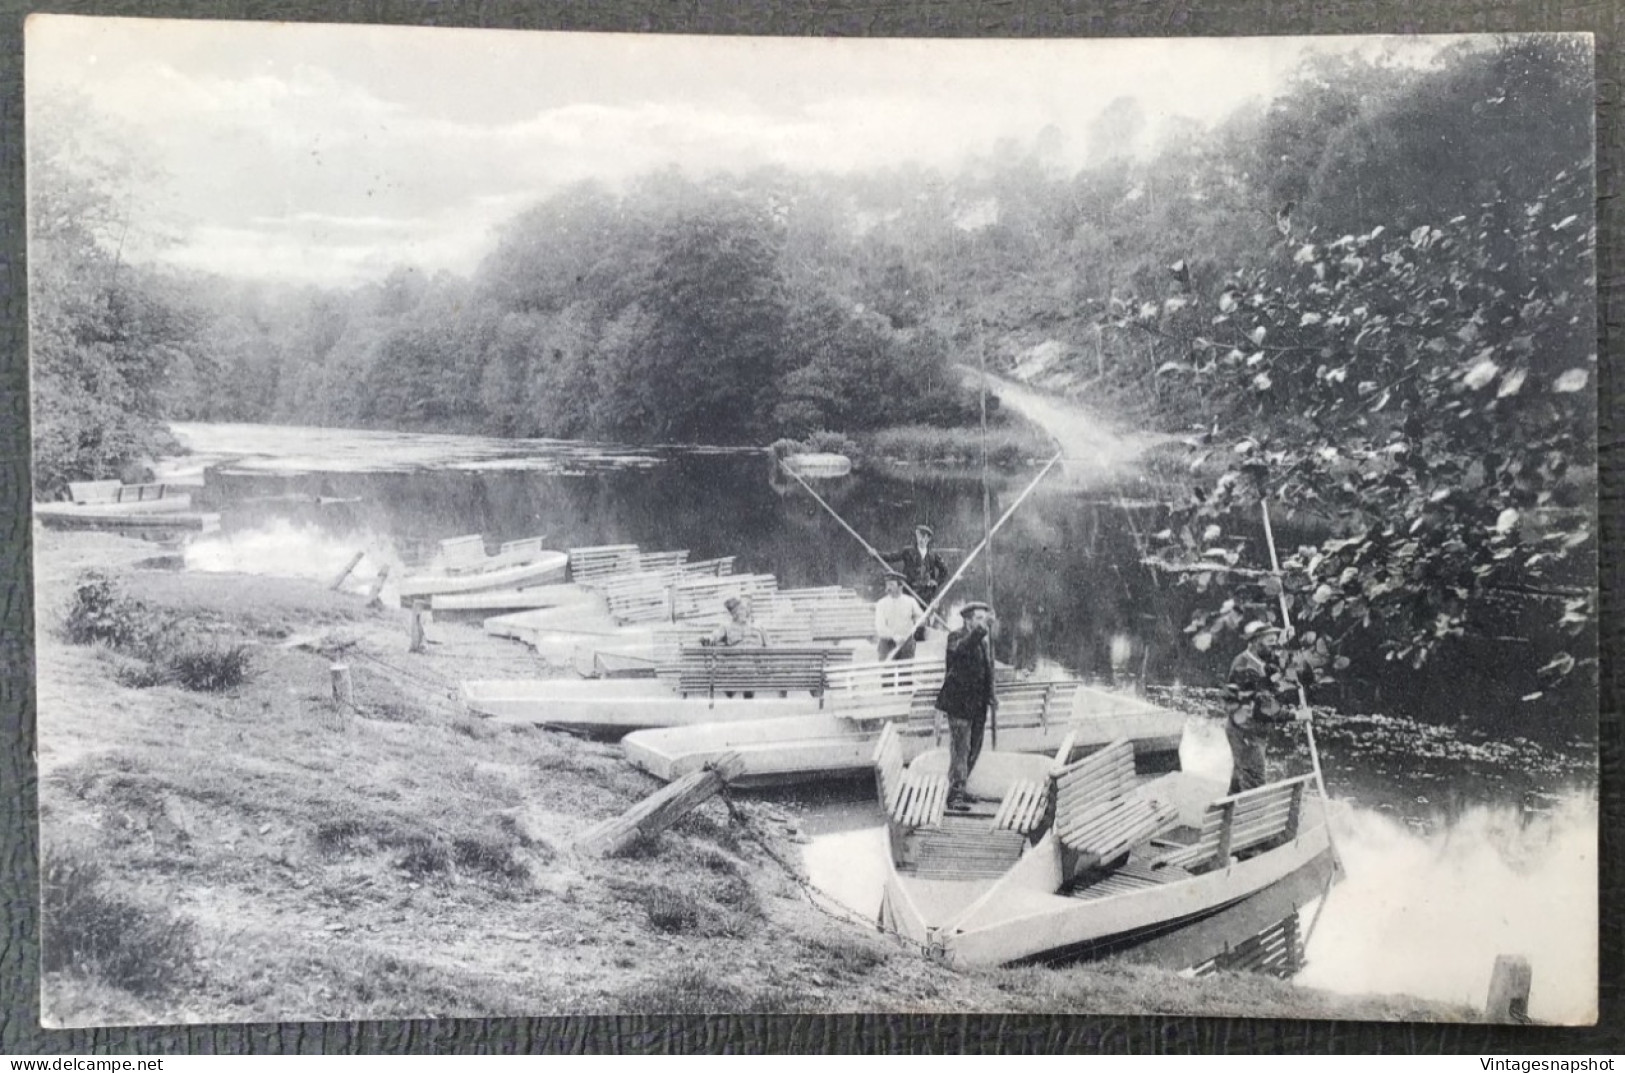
{"x": 101, "y": 614}
{"x": 211, "y": 669}
{"x": 92, "y": 930}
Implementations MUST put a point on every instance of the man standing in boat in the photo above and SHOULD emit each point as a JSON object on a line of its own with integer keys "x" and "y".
{"x": 895, "y": 614}
{"x": 1251, "y": 694}
{"x": 923, "y": 568}
{"x": 967, "y": 696}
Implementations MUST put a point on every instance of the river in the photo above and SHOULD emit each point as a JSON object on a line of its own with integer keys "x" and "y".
{"x": 1464, "y": 815}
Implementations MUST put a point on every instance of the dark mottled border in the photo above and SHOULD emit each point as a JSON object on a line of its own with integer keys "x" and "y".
{"x": 19, "y": 1005}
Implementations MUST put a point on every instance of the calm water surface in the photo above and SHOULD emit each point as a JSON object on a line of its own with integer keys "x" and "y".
{"x": 1466, "y": 816}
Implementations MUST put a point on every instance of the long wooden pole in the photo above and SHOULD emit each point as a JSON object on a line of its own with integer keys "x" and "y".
{"x": 1303, "y": 697}
{"x": 965, "y": 565}
{"x": 987, "y": 514}
{"x": 879, "y": 558}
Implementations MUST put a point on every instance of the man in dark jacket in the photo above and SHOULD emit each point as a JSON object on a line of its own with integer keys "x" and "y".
{"x": 923, "y": 568}
{"x": 967, "y": 696}
{"x": 1251, "y": 692}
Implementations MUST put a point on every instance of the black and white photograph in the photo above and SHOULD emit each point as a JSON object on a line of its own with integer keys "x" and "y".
{"x": 541, "y": 523}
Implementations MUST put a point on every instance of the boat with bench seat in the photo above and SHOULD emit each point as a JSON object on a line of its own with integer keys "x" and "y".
{"x": 839, "y": 742}
{"x": 462, "y": 567}
{"x": 115, "y": 505}
{"x": 1062, "y": 857}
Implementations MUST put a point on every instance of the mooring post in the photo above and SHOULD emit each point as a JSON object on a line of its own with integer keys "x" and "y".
{"x": 418, "y": 609}
{"x": 343, "y": 688}
{"x": 373, "y": 597}
{"x": 1509, "y": 991}
{"x": 348, "y": 570}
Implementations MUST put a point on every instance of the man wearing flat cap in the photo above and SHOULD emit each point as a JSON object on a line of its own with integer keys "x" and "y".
{"x": 1250, "y": 690}
{"x": 923, "y": 569}
{"x": 895, "y": 615}
{"x": 967, "y": 696}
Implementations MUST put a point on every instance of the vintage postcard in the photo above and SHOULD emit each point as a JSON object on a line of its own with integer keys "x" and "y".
{"x": 534, "y": 523}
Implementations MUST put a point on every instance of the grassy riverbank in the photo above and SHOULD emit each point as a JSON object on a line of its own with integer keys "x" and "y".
{"x": 261, "y": 854}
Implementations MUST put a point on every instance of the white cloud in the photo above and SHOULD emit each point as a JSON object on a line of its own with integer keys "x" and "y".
{"x": 366, "y": 143}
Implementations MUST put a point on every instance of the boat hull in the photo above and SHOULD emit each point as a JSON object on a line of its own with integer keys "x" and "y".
{"x": 1017, "y": 921}
{"x": 171, "y": 512}
{"x": 549, "y": 568}
{"x": 785, "y": 751}
{"x": 615, "y": 707}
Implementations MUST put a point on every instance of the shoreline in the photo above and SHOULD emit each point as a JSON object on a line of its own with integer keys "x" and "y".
{"x": 406, "y": 860}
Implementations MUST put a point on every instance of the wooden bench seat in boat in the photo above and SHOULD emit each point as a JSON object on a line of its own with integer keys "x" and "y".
{"x": 649, "y": 561}
{"x": 1255, "y": 819}
{"x": 1024, "y": 808}
{"x": 587, "y": 564}
{"x": 709, "y": 567}
{"x": 908, "y": 798}
{"x": 1021, "y": 703}
{"x": 669, "y": 639}
{"x": 694, "y": 597}
{"x": 461, "y": 554}
{"x": 1099, "y": 811}
{"x": 709, "y": 671}
{"x": 883, "y": 690}
{"x": 961, "y": 848}
{"x": 845, "y": 620}
{"x": 642, "y": 596}
{"x": 118, "y": 492}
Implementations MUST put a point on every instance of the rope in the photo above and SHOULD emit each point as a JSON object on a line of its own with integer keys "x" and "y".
{"x": 818, "y": 899}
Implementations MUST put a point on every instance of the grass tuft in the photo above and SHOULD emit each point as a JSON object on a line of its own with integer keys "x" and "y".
{"x": 92, "y": 930}
{"x": 211, "y": 669}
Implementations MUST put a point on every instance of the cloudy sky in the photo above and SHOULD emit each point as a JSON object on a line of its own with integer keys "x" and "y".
{"x": 330, "y": 154}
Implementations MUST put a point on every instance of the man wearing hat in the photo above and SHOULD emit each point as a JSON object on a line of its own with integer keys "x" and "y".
{"x": 895, "y": 615}
{"x": 923, "y": 569}
{"x": 967, "y": 696}
{"x": 1250, "y": 688}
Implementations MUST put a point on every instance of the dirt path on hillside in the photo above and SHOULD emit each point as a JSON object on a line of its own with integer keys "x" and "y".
{"x": 1095, "y": 449}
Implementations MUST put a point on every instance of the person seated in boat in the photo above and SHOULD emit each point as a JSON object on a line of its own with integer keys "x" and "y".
{"x": 1252, "y": 691}
{"x": 896, "y": 614}
{"x": 923, "y": 569}
{"x": 967, "y": 696}
{"x": 740, "y": 631}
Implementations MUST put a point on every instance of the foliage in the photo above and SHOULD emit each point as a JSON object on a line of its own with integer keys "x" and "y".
{"x": 90, "y": 929}
{"x": 103, "y": 333}
{"x": 100, "y": 613}
{"x": 210, "y": 668}
{"x": 158, "y": 649}
{"x": 1426, "y": 393}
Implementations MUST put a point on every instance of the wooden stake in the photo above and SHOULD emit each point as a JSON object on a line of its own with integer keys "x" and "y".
{"x": 343, "y": 688}
{"x": 1509, "y": 991}
{"x": 661, "y": 809}
{"x": 418, "y": 608}
{"x": 345, "y": 575}
{"x": 373, "y": 599}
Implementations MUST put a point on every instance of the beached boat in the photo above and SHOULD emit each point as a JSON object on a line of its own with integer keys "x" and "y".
{"x": 710, "y": 685}
{"x": 547, "y": 567}
{"x": 1059, "y": 858}
{"x": 1034, "y": 716}
{"x": 113, "y": 505}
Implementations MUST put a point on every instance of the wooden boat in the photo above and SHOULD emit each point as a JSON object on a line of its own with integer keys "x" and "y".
{"x": 708, "y": 685}
{"x": 547, "y": 567}
{"x": 819, "y": 464}
{"x": 1058, "y": 857}
{"x": 613, "y": 707}
{"x": 112, "y": 504}
{"x": 1033, "y": 717}
{"x": 502, "y": 600}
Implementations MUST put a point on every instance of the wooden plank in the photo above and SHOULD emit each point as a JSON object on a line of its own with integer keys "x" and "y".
{"x": 661, "y": 809}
